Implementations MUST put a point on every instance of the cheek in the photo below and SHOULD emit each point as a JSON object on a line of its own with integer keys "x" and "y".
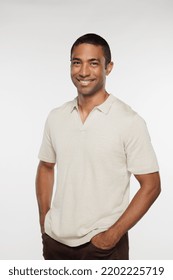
{"x": 73, "y": 71}
{"x": 101, "y": 74}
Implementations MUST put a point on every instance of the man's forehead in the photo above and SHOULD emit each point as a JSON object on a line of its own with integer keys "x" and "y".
{"x": 88, "y": 50}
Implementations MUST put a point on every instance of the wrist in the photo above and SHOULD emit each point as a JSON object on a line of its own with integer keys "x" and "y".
{"x": 114, "y": 233}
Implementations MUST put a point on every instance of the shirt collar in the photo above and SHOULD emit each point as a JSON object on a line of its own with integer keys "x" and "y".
{"x": 104, "y": 107}
{"x": 74, "y": 105}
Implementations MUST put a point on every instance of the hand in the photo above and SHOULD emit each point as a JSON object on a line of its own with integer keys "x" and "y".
{"x": 104, "y": 240}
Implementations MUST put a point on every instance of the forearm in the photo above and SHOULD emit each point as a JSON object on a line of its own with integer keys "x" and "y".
{"x": 139, "y": 205}
{"x": 44, "y": 188}
{"x": 141, "y": 202}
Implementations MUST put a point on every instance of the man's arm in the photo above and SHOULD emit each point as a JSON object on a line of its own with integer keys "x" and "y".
{"x": 44, "y": 188}
{"x": 141, "y": 202}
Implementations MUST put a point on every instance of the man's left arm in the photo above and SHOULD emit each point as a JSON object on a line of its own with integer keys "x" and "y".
{"x": 149, "y": 190}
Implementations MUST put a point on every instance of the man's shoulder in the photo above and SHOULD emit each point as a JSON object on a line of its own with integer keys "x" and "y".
{"x": 125, "y": 115}
{"x": 122, "y": 109}
{"x": 62, "y": 109}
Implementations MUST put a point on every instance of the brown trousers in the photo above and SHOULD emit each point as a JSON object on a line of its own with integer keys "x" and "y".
{"x": 54, "y": 250}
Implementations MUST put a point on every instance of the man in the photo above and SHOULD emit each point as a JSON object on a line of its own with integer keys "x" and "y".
{"x": 97, "y": 142}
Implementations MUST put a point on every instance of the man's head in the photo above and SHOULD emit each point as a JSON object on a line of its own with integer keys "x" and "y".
{"x": 96, "y": 40}
{"x": 90, "y": 64}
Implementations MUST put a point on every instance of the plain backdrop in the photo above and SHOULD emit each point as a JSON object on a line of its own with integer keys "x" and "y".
{"x": 35, "y": 41}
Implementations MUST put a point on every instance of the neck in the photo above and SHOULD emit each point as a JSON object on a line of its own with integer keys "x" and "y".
{"x": 87, "y": 102}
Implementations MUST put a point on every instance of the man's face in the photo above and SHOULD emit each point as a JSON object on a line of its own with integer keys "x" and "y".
{"x": 88, "y": 71}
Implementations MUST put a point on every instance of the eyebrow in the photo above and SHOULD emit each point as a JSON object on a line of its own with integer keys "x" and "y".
{"x": 90, "y": 60}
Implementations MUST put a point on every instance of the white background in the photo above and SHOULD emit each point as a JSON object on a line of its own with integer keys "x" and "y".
{"x": 35, "y": 41}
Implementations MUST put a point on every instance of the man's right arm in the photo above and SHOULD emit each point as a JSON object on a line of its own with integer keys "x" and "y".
{"x": 44, "y": 189}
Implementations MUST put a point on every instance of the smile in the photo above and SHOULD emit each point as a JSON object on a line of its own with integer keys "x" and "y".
{"x": 84, "y": 82}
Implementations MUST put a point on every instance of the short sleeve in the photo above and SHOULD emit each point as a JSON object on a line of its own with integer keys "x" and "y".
{"x": 141, "y": 158}
{"x": 47, "y": 152}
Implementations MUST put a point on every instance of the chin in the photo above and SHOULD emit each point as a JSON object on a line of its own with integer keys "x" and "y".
{"x": 86, "y": 92}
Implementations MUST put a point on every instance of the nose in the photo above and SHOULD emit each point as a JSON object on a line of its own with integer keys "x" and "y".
{"x": 84, "y": 70}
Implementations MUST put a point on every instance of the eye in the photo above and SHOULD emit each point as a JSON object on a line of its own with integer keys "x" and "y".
{"x": 94, "y": 63}
{"x": 75, "y": 62}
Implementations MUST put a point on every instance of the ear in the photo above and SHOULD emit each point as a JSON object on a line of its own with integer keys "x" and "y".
{"x": 109, "y": 68}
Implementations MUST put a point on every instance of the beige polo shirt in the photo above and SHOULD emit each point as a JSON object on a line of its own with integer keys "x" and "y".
{"x": 94, "y": 164}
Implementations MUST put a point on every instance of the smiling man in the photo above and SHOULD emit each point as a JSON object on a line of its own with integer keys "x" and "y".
{"x": 96, "y": 142}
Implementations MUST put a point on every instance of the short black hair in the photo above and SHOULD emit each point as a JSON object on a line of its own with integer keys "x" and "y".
{"x": 94, "y": 39}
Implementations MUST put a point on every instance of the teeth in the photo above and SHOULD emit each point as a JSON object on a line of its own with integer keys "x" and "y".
{"x": 84, "y": 82}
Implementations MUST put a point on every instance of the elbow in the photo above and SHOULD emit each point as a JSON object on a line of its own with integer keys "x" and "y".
{"x": 156, "y": 185}
{"x": 157, "y": 189}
